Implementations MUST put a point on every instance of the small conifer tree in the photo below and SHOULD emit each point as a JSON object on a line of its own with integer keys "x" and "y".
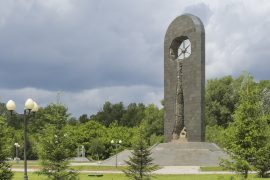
{"x": 55, "y": 152}
{"x": 140, "y": 164}
{"x": 5, "y": 168}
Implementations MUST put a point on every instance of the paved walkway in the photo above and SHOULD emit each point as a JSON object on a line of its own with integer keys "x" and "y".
{"x": 163, "y": 170}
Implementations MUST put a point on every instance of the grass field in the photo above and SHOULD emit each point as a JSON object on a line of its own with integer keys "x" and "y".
{"x": 78, "y": 168}
{"x": 212, "y": 168}
{"x": 32, "y": 176}
{"x": 82, "y": 176}
{"x": 36, "y": 165}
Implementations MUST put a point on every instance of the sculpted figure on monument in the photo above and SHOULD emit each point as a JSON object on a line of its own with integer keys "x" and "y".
{"x": 183, "y": 51}
{"x": 179, "y": 102}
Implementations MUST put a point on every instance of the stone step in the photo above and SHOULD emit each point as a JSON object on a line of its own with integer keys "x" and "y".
{"x": 178, "y": 154}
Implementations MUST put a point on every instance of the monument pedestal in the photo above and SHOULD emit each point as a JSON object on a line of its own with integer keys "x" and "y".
{"x": 178, "y": 154}
{"x": 187, "y": 154}
{"x": 80, "y": 159}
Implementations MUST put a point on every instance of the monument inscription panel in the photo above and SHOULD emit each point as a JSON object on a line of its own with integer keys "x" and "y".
{"x": 184, "y": 80}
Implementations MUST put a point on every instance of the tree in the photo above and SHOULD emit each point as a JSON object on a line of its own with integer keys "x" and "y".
{"x": 215, "y": 134}
{"x": 83, "y": 118}
{"x": 54, "y": 114}
{"x": 140, "y": 164}
{"x": 110, "y": 113}
{"x": 96, "y": 149}
{"x": 133, "y": 115}
{"x": 246, "y": 139}
{"x": 265, "y": 95}
{"x": 221, "y": 100}
{"x": 54, "y": 151}
{"x": 153, "y": 122}
{"x": 5, "y": 168}
{"x": 55, "y": 146}
{"x": 72, "y": 121}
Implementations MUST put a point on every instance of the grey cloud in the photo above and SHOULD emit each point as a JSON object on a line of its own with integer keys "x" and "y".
{"x": 88, "y": 47}
{"x": 201, "y": 10}
{"x": 236, "y": 40}
{"x": 84, "y": 46}
{"x": 86, "y": 101}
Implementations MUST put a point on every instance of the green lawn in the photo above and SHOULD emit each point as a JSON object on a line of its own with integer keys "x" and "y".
{"x": 32, "y": 176}
{"x": 212, "y": 168}
{"x": 99, "y": 168}
{"x": 29, "y": 162}
{"x": 78, "y": 168}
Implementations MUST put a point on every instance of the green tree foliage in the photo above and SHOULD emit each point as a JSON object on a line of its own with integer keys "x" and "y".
{"x": 96, "y": 149}
{"x": 55, "y": 150}
{"x": 5, "y": 141}
{"x": 14, "y": 120}
{"x": 247, "y": 139}
{"x": 127, "y": 135}
{"x": 93, "y": 133}
{"x": 215, "y": 134}
{"x": 153, "y": 123}
{"x": 3, "y": 109}
{"x": 109, "y": 114}
{"x": 55, "y": 146}
{"x": 133, "y": 115}
{"x": 117, "y": 113}
{"x": 265, "y": 96}
{"x": 83, "y": 118}
{"x": 221, "y": 99}
{"x": 85, "y": 134}
{"x": 72, "y": 121}
{"x": 140, "y": 164}
{"x": 53, "y": 114}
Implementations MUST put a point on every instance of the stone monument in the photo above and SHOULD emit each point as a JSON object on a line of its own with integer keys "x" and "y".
{"x": 184, "y": 65}
{"x": 184, "y": 80}
{"x": 80, "y": 155}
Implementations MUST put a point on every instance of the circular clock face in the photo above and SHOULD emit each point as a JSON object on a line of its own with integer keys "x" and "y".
{"x": 184, "y": 50}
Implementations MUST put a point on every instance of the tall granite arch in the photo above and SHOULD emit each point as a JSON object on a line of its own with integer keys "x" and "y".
{"x": 184, "y": 80}
{"x": 184, "y": 100}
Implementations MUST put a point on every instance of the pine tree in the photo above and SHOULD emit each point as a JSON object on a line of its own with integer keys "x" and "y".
{"x": 5, "y": 168}
{"x": 55, "y": 150}
{"x": 140, "y": 164}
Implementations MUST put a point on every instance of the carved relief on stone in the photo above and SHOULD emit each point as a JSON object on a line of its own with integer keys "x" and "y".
{"x": 179, "y": 51}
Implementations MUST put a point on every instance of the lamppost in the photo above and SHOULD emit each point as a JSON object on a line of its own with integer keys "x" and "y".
{"x": 30, "y": 107}
{"x": 116, "y": 144}
{"x": 17, "y": 158}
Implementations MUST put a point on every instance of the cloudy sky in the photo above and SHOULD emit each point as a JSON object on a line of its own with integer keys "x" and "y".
{"x": 92, "y": 51}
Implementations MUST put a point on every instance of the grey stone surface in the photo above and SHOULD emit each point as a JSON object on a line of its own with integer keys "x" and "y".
{"x": 181, "y": 154}
{"x": 185, "y": 27}
{"x": 187, "y": 154}
{"x": 121, "y": 158}
{"x": 79, "y": 159}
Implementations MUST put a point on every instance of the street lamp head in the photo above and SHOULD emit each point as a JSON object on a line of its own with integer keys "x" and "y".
{"x": 120, "y": 141}
{"x": 35, "y": 108}
{"x": 29, "y": 104}
{"x": 112, "y": 141}
{"x": 11, "y": 106}
{"x": 16, "y": 144}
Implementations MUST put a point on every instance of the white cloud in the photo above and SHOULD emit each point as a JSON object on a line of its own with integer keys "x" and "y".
{"x": 236, "y": 38}
{"x": 85, "y": 101}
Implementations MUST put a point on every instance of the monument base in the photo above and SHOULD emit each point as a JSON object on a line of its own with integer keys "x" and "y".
{"x": 179, "y": 153}
{"x": 80, "y": 159}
